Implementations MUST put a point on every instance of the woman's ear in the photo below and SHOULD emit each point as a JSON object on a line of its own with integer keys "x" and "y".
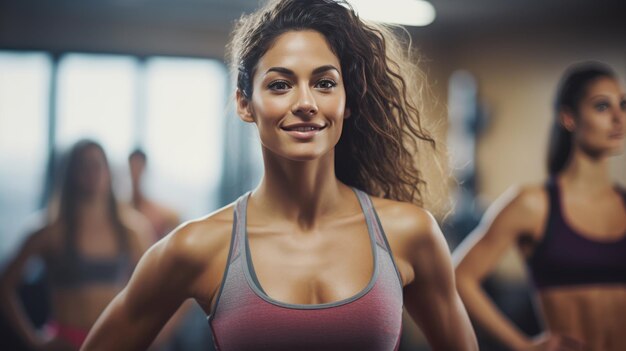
{"x": 567, "y": 120}
{"x": 347, "y": 113}
{"x": 244, "y": 109}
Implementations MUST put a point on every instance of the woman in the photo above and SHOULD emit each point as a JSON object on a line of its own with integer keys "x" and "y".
{"x": 89, "y": 250}
{"x": 302, "y": 263}
{"x": 572, "y": 230}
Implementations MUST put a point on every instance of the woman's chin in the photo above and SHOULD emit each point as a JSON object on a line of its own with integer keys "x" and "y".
{"x": 616, "y": 148}
{"x": 617, "y": 151}
{"x": 304, "y": 155}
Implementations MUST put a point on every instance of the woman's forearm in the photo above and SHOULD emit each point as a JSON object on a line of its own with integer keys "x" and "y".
{"x": 486, "y": 314}
{"x": 17, "y": 319}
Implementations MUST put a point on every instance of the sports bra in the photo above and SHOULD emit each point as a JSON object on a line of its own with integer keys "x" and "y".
{"x": 244, "y": 318}
{"x": 565, "y": 257}
{"x": 70, "y": 269}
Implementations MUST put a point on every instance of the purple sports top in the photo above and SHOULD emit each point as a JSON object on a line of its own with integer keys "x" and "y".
{"x": 245, "y": 318}
{"x": 565, "y": 257}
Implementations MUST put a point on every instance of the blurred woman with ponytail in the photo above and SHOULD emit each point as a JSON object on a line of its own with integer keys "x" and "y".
{"x": 571, "y": 230}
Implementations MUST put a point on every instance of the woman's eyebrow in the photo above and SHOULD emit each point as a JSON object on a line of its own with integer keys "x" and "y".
{"x": 599, "y": 97}
{"x": 282, "y": 70}
{"x": 288, "y": 72}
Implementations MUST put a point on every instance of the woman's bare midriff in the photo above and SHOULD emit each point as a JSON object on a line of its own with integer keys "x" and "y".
{"x": 80, "y": 307}
{"x": 595, "y": 314}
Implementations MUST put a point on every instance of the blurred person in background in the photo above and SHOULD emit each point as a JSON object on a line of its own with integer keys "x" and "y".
{"x": 304, "y": 262}
{"x": 571, "y": 230}
{"x": 89, "y": 246}
{"x": 163, "y": 219}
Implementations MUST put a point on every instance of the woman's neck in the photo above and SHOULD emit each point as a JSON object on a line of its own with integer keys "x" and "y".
{"x": 299, "y": 191}
{"x": 93, "y": 208}
{"x": 137, "y": 198}
{"x": 588, "y": 172}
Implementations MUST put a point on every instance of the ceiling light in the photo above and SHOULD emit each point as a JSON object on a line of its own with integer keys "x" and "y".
{"x": 404, "y": 12}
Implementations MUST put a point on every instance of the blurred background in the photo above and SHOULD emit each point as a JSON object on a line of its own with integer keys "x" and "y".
{"x": 151, "y": 74}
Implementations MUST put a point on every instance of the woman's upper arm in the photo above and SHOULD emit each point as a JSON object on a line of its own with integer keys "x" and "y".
{"x": 431, "y": 297}
{"x": 162, "y": 281}
{"x": 516, "y": 213}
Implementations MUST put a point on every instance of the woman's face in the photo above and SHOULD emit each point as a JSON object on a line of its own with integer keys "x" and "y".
{"x": 93, "y": 176}
{"x": 298, "y": 101}
{"x": 137, "y": 165}
{"x": 600, "y": 124}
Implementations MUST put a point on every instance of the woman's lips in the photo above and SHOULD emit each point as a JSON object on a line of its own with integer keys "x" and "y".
{"x": 303, "y": 131}
{"x": 618, "y": 135}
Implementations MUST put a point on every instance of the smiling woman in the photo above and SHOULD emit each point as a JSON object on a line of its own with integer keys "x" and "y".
{"x": 308, "y": 260}
{"x": 299, "y": 103}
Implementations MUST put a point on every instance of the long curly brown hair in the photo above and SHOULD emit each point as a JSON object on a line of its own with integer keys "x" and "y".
{"x": 379, "y": 142}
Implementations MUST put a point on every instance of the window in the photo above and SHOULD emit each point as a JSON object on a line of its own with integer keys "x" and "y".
{"x": 97, "y": 100}
{"x": 172, "y": 107}
{"x": 24, "y": 95}
{"x": 184, "y": 128}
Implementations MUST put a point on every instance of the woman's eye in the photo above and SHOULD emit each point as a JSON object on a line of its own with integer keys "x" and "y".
{"x": 601, "y": 106}
{"x": 278, "y": 85}
{"x": 622, "y": 105}
{"x": 325, "y": 84}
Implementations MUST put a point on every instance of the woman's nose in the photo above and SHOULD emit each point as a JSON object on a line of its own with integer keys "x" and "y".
{"x": 305, "y": 103}
{"x": 619, "y": 116}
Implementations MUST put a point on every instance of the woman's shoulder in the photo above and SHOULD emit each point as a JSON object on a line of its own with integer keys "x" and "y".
{"x": 199, "y": 239}
{"x": 529, "y": 195}
{"x": 405, "y": 221}
{"x": 524, "y": 201}
{"x": 137, "y": 226}
{"x": 414, "y": 237}
{"x": 40, "y": 235}
{"x": 519, "y": 212}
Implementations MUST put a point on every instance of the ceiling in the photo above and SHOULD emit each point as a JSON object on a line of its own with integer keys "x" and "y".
{"x": 201, "y": 27}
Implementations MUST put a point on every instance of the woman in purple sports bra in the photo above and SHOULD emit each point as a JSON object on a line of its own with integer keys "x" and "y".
{"x": 572, "y": 229}
{"x": 308, "y": 260}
